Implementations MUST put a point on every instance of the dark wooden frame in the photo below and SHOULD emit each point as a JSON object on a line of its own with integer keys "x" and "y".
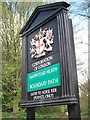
{"x": 67, "y": 55}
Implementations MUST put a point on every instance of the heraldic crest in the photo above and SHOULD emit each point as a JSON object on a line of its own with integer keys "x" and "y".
{"x": 41, "y": 43}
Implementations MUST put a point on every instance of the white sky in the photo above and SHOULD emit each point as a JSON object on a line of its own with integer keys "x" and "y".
{"x": 82, "y": 48}
{"x": 81, "y": 44}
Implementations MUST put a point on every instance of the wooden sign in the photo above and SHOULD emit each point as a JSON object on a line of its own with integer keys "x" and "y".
{"x": 48, "y": 58}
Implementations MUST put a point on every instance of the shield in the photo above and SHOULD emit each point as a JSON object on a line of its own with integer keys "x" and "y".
{"x": 39, "y": 46}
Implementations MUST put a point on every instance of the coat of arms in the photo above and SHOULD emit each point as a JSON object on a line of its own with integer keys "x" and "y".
{"x": 41, "y": 43}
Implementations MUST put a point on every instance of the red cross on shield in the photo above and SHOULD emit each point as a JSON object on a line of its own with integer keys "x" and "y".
{"x": 39, "y": 46}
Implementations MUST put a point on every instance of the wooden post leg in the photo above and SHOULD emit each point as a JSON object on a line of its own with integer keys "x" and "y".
{"x": 30, "y": 113}
{"x": 74, "y": 112}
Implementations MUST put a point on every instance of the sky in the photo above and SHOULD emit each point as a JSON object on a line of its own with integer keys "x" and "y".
{"x": 80, "y": 28}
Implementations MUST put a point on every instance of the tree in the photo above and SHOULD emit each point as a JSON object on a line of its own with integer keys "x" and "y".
{"x": 11, "y": 59}
{"x": 84, "y": 94}
{"x": 14, "y": 16}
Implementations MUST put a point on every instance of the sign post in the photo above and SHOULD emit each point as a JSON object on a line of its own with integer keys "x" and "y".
{"x": 48, "y": 61}
{"x": 30, "y": 113}
{"x": 74, "y": 109}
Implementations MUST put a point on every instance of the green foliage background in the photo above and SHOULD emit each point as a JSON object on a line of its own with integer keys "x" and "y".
{"x": 14, "y": 16}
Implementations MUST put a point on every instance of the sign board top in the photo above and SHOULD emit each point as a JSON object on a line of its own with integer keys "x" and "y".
{"x": 48, "y": 57}
{"x": 41, "y": 13}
